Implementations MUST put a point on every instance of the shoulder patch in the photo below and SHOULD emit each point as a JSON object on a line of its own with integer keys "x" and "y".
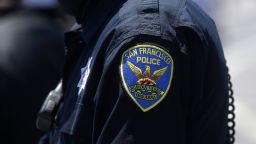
{"x": 146, "y": 73}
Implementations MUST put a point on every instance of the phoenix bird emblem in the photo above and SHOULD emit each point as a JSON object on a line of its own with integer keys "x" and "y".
{"x": 147, "y": 78}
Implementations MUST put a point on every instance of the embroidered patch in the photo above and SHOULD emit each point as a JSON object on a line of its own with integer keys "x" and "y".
{"x": 146, "y": 72}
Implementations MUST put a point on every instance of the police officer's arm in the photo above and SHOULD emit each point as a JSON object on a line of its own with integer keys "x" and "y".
{"x": 180, "y": 85}
{"x": 155, "y": 76}
{"x": 207, "y": 121}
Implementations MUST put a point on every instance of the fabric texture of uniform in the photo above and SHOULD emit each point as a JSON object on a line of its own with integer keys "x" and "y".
{"x": 98, "y": 109}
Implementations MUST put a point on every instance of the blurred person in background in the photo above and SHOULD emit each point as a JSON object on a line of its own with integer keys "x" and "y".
{"x": 31, "y": 61}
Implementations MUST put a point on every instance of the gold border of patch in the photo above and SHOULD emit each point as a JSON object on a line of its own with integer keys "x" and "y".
{"x": 125, "y": 86}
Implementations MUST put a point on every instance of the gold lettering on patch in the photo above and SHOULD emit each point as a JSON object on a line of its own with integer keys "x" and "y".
{"x": 147, "y": 60}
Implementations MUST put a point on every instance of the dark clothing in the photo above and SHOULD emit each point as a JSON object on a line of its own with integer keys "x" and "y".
{"x": 31, "y": 62}
{"x": 101, "y": 111}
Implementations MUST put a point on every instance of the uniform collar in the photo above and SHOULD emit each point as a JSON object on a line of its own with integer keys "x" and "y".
{"x": 101, "y": 11}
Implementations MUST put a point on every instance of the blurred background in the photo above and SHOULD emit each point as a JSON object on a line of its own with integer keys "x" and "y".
{"x": 236, "y": 21}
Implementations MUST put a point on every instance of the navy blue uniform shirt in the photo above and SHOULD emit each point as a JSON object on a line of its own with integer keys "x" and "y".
{"x": 152, "y": 72}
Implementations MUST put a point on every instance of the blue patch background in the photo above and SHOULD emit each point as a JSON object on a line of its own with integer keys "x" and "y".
{"x": 129, "y": 78}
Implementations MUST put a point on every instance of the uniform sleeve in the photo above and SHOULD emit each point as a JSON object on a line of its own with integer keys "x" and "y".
{"x": 207, "y": 117}
{"x": 155, "y": 81}
{"x": 179, "y": 85}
